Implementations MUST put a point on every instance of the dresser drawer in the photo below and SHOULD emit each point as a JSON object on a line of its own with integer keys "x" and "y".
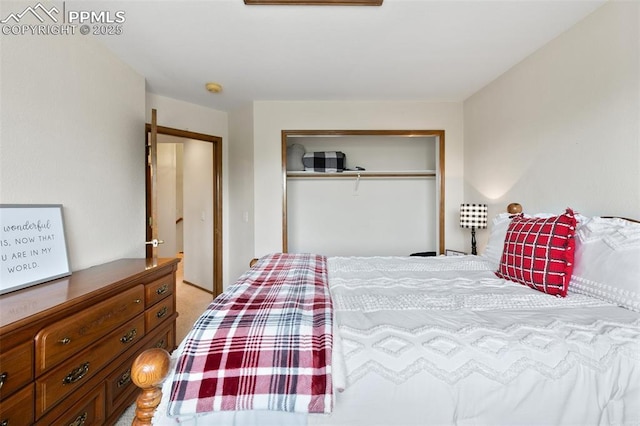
{"x": 120, "y": 387}
{"x": 71, "y": 375}
{"x": 166, "y": 340}
{"x": 158, "y": 289}
{"x": 65, "y": 338}
{"x": 89, "y": 410}
{"x": 159, "y": 313}
{"x": 16, "y": 369}
{"x": 18, "y": 409}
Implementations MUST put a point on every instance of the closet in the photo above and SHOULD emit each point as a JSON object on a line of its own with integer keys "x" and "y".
{"x": 393, "y": 207}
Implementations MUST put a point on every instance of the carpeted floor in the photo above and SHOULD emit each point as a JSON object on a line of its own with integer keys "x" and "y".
{"x": 127, "y": 417}
{"x": 191, "y": 301}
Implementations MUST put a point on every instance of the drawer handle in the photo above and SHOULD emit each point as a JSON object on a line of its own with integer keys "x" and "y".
{"x": 129, "y": 336}
{"x": 125, "y": 378}
{"x": 162, "y": 290}
{"x": 160, "y": 344}
{"x": 79, "y": 421}
{"x": 162, "y": 312}
{"x": 4, "y": 423}
{"x": 137, "y": 301}
{"x": 65, "y": 341}
{"x": 3, "y": 379}
{"x": 76, "y": 374}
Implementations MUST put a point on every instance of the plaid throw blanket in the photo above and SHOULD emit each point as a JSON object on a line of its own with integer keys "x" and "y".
{"x": 264, "y": 344}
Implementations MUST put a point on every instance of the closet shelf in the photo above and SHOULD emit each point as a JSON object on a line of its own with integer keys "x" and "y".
{"x": 364, "y": 174}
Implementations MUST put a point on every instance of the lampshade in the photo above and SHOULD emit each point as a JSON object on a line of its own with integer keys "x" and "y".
{"x": 473, "y": 216}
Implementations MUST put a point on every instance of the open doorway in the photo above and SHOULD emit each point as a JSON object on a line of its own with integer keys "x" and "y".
{"x": 201, "y": 217}
{"x": 193, "y": 290}
{"x": 187, "y": 215}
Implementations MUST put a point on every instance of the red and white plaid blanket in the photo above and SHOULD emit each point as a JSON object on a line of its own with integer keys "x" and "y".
{"x": 264, "y": 344}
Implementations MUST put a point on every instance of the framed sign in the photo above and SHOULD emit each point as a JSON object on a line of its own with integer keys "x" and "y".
{"x": 33, "y": 248}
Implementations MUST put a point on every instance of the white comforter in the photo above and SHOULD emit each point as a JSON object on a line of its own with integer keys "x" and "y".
{"x": 450, "y": 343}
{"x": 443, "y": 341}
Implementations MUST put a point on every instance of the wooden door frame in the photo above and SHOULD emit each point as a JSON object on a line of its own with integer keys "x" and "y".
{"x": 439, "y": 134}
{"x": 217, "y": 194}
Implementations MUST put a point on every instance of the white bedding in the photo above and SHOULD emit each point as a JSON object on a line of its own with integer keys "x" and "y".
{"x": 444, "y": 341}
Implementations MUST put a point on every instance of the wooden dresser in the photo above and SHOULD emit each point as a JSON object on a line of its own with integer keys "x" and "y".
{"x": 66, "y": 346}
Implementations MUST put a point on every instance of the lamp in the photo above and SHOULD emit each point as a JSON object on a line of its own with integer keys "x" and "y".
{"x": 473, "y": 216}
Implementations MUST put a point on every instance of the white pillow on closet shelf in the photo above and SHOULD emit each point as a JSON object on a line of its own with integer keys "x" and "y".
{"x": 294, "y": 157}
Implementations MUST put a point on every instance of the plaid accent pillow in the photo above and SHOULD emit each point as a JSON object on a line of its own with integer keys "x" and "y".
{"x": 538, "y": 252}
{"x": 326, "y": 161}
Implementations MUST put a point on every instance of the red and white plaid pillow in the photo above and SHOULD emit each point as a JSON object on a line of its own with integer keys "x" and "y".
{"x": 538, "y": 252}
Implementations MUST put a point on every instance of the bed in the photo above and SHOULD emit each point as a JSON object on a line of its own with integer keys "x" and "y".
{"x": 542, "y": 328}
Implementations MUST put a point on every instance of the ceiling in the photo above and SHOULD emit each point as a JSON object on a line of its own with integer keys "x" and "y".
{"x": 419, "y": 50}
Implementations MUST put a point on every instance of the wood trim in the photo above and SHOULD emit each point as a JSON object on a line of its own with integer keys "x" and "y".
{"x": 185, "y": 134}
{"x": 620, "y": 217}
{"x": 217, "y": 194}
{"x": 153, "y": 136}
{"x": 441, "y": 176}
{"x": 362, "y": 175}
{"x": 283, "y": 153}
{"x": 151, "y": 188}
{"x": 197, "y": 286}
{"x": 406, "y": 133}
{"x": 315, "y": 2}
{"x": 439, "y": 173}
{"x": 147, "y": 196}
{"x": 217, "y": 219}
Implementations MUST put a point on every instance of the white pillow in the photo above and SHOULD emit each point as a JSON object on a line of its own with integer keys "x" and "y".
{"x": 607, "y": 261}
{"x": 294, "y": 157}
{"x": 497, "y": 233}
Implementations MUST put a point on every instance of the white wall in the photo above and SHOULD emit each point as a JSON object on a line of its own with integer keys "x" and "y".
{"x": 241, "y": 181}
{"x": 185, "y": 116}
{"x": 71, "y": 126}
{"x": 272, "y": 117}
{"x": 382, "y": 217}
{"x": 562, "y": 127}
